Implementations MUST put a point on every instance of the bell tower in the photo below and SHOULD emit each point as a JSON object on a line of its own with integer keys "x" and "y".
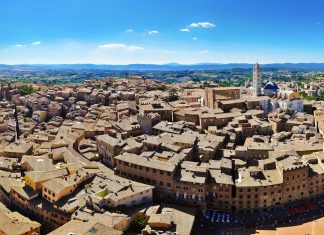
{"x": 256, "y": 80}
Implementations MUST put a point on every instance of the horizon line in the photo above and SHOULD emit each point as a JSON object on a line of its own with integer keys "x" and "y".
{"x": 169, "y": 63}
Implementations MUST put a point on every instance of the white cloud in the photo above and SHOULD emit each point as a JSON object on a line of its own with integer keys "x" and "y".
{"x": 201, "y": 25}
{"x": 121, "y": 46}
{"x": 113, "y": 46}
{"x": 129, "y": 30}
{"x": 151, "y": 32}
{"x": 20, "y": 45}
{"x": 134, "y": 48}
{"x": 36, "y": 43}
{"x": 194, "y": 38}
{"x": 168, "y": 51}
{"x": 204, "y": 52}
{"x": 184, "y": 30}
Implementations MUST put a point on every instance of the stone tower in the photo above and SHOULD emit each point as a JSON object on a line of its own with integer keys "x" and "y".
{"x": 256, "y": 80}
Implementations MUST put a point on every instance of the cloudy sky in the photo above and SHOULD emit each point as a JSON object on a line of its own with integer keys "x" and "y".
{"x": 157, "y": 32}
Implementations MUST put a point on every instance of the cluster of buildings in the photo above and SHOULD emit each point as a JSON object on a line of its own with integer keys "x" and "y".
{"x": 103, "y": 155}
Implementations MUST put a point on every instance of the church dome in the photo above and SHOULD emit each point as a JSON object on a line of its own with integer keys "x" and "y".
{"x": 271, "y": 86}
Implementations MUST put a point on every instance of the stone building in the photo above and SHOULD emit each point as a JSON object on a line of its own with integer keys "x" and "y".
{"x": 214, "y": 95}
{"x": 108, "y": 148}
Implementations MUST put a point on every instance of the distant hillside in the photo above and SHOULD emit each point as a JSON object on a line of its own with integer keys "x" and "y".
{"x": 164, "y": 67}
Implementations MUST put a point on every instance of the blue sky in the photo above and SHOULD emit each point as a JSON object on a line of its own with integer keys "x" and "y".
{"x": 161, "y": 31}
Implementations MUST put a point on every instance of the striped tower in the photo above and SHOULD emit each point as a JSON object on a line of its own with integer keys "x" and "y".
{"x": 256, "y": 80}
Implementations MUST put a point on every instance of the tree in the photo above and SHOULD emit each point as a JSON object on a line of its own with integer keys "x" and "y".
{"x": 173, "y": 95}
{"x": 305, "y": 96}
{"x": 27, "y": 90}
{"x": 138, "y": 225}
{"x": 161, "y": 87}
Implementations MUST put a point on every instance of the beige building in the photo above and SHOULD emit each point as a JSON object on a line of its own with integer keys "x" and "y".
{"x": 27, "y": 201}
{"x": 15, "y": 223}
{"x": 160, "y": 107}
{"x": 147, "y": 121}
{"x": 18, "y": 150}
{"x": 84, "y": 228}
{"x": 157, "y": 169}
{"x": 214, "y": 95}
{"x": 115, "y": 193}
{"x": 108, "y": 148}
{"x": 54, "y": 189}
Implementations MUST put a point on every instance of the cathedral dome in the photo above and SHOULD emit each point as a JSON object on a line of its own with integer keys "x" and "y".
{"x": 271, "y": 86}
